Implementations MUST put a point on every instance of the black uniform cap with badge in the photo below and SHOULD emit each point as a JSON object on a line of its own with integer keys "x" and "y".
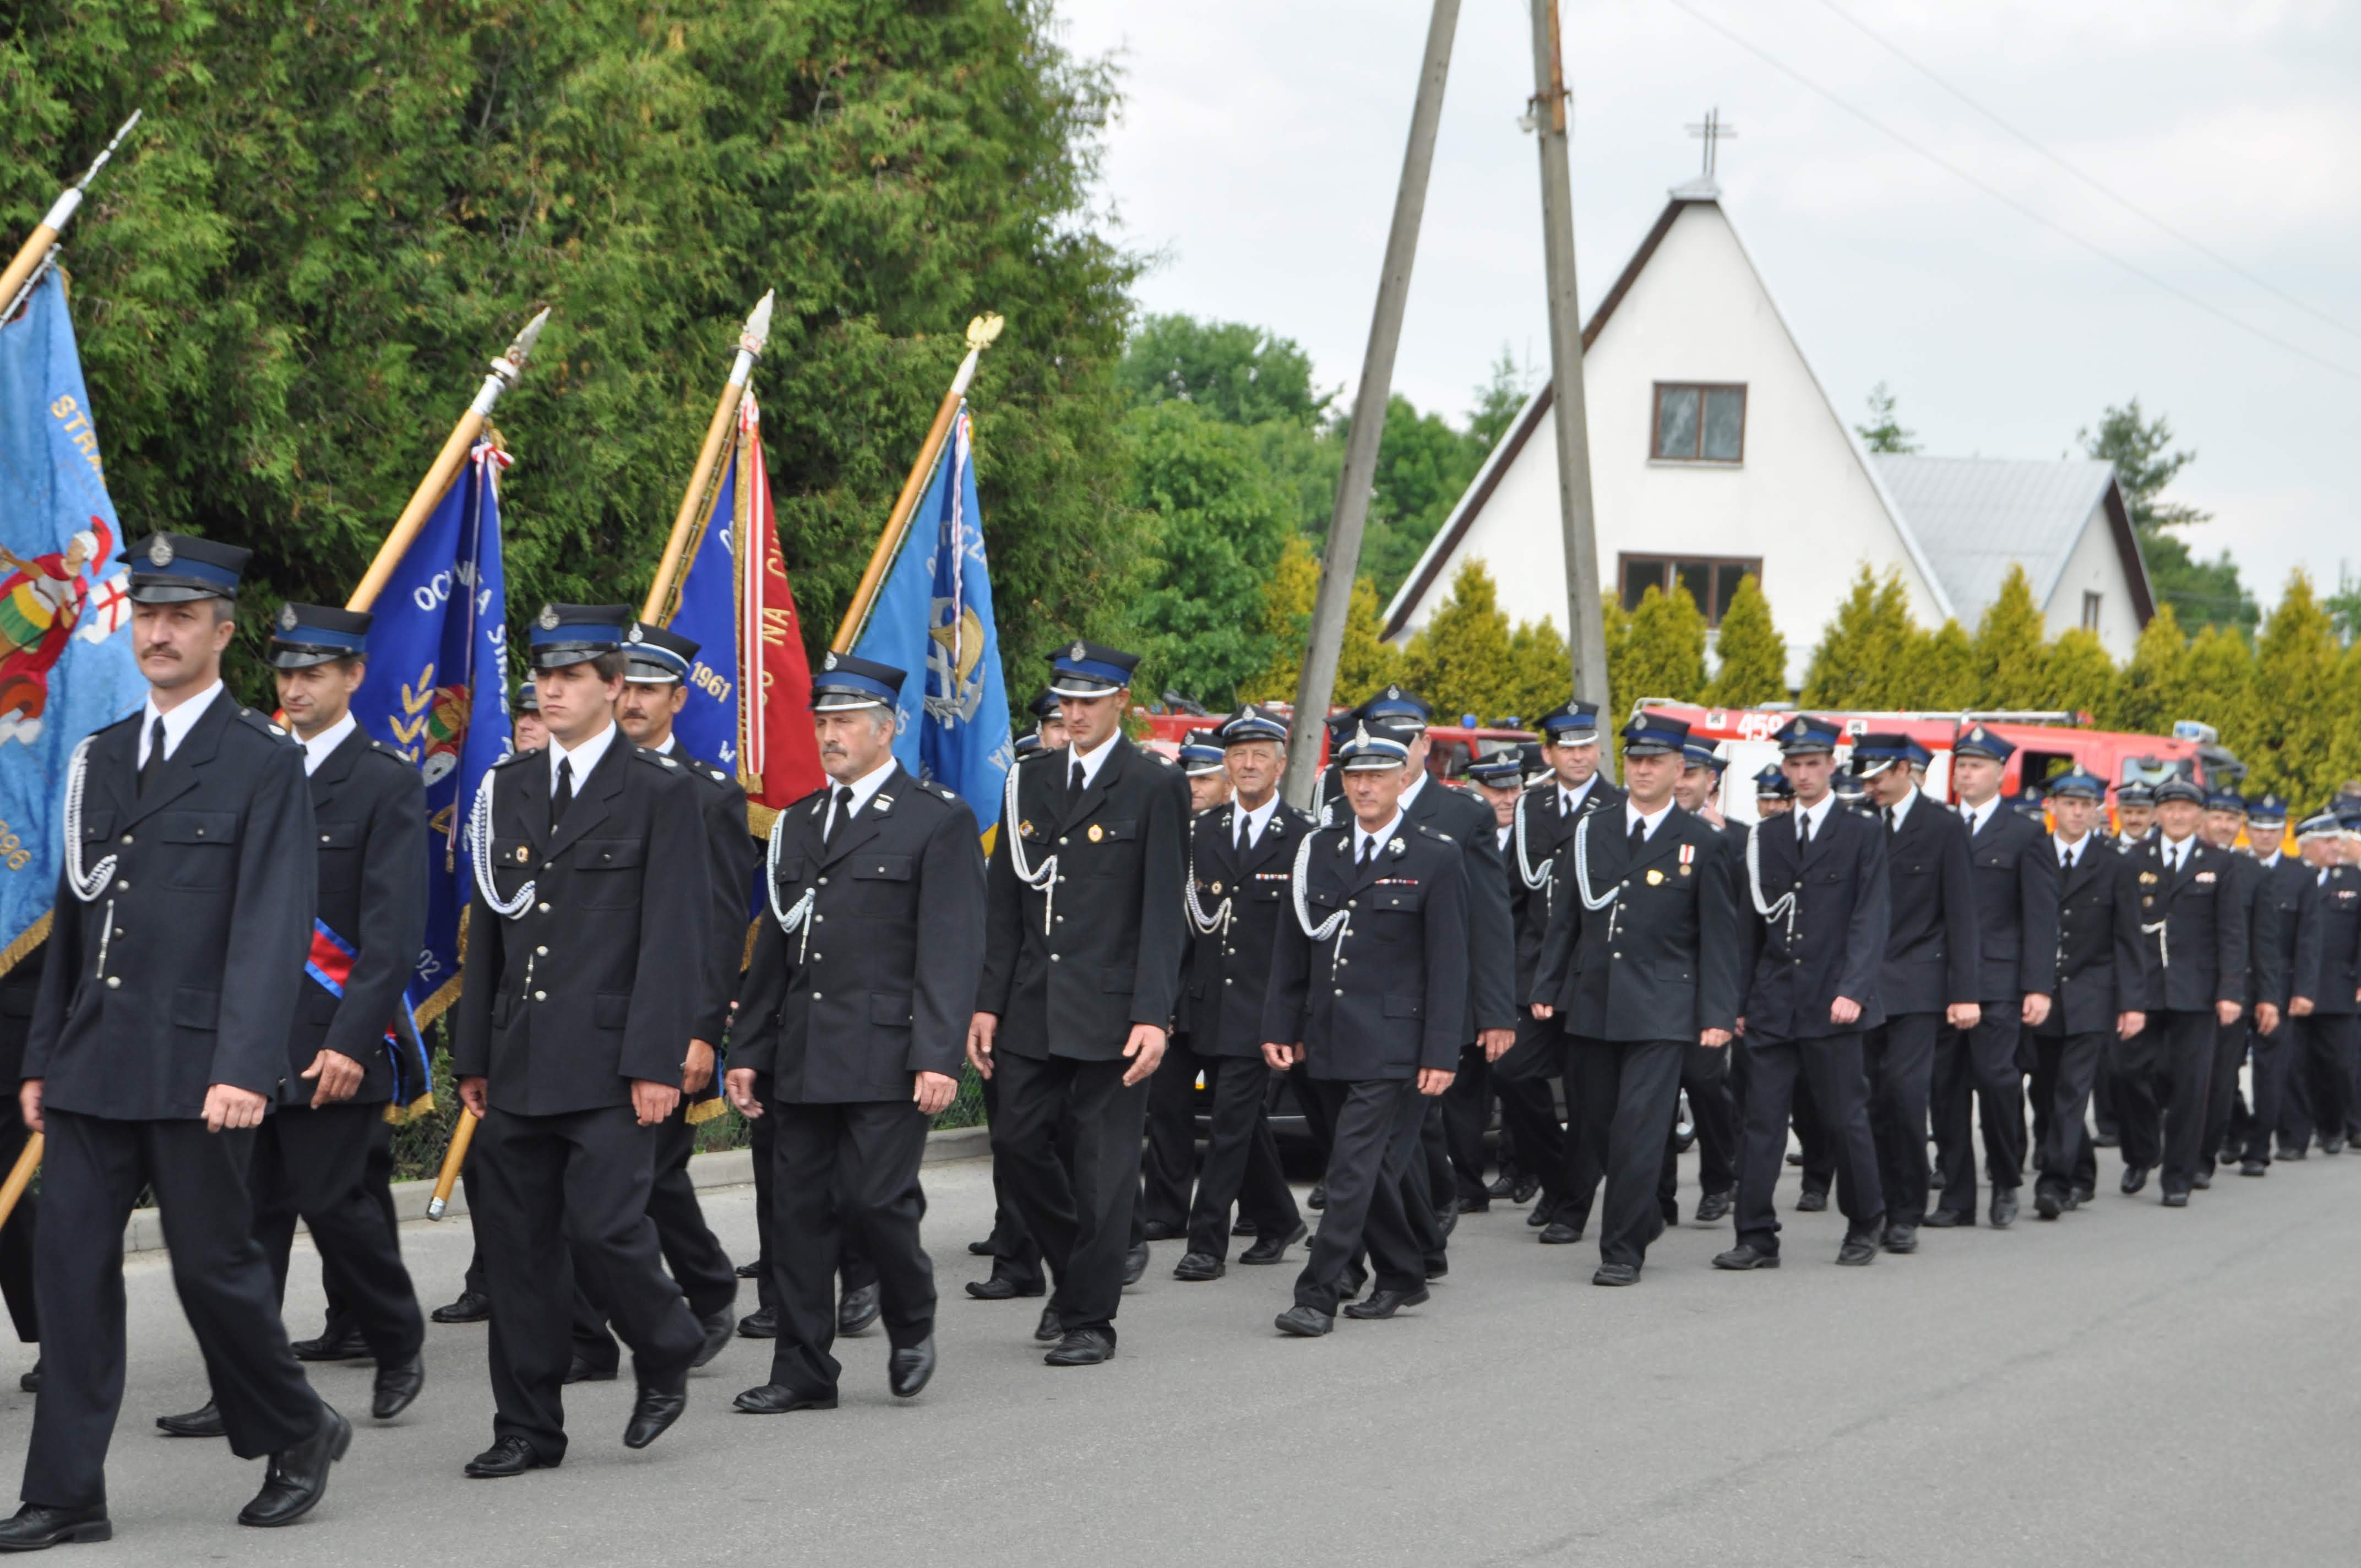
{"x": 1771, "y": 783}
{"x": 1878, "y": 751}
{"x": 2135, "y": 794}
{"x": 656, "y": 656}
{"x": 1978, "y": 742}
{"x": 528, "y": 700}
{"x": 567, "y": 634}
{"x": 1045, "y": 705}
{"x": 1084, "y": 669}
{"x": 173, "y": 568}
{"x": 1372, "y": 750}
{"x": 2077, "y": 786}
{"x": 2182, "y": 789}
{"x": 2227, "y": 800}
{"x": 2319, "y": 826}
{"x": 1696, "y": 755}
{"x": 1655, "y": 735}
{"x": 1403, "y": 711}
{"x": 1501, "y": 770}
{"x": 1249, "y": 724}
{"x": 1575, "y": 724}
{"x": 1200, "y": 757}
{"x": 1803, "y": 736}
{"x": 304, "y": 635}
{"x": 2266, "y": 811}
{"x": 843, "y": 682}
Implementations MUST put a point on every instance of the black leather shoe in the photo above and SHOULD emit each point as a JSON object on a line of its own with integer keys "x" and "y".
{"x": 1048, "y": 1330}
{"x": 1199, "y": 1265}
{"x": 1304, "y": 1323}
{"x": 753, "y": 1270}
{"x": 1242, "y": 1226}
{"x": 719, "y": 1325}
{"x": 1810, "y": 1202}
{"x": 204, "y": 1421}
{"x": 1713, "y": 1208}
{"x": 778, "y": 1399}
{"x": 335, "y": 1344}
{"x": 2004, "y": 1208}
{"x": 1436, "y": 1267}
{"x": 508, "y": 1456}
{"x": 1162, "y": 1231}
{"x": 395, "y": 1388}
{"x": 1271, "y": 1249}
{"x": 1745, "y": 1255}
{"x": 1356, "y": 1280}
{"x": 37, "y": 1526}
{"x": 1900, "y": 1238}
{"x": 472, "y": 1307}
{"x": 1476, "y": 1205}
{"x": 1858, "y": 1252}
{"x": 2176, "y": 1199}
{"x": 1134, "y": 1264}
{"x": 1083, "y": 1347}
{"x": 2135, "y": 1177}
{"x": 30, "y": 1382}
{"x": 1385, "y": 1303}
{"x": 2048, "y": 1203}
{"x": 580, "y": 1371}
{"x": 1557, "y": 1233}
{"x": 857, "y": 1309}
{"x": 2084, "y": 1193}
{"x": 2331, "y": 1146}
{"x": 1446, "y": 1219}
{"x": 980, "y": 1249}
{"x": 908, "y": 1369}
{"x": 2203, "y": 1180}
{"x": 1540, "y": 1214}
{"x": 1319, "y": 1198}
{"x": 1616, "y": 1274}
{"x": 1000, "y": 1289}
{"x": 655, "y": 1407}
{"x": 2245, "y": 1167}
{"x": 1500, "y": 1185}
{"x": 763, "y": 1322}
{"x": 1525, "y": 1189}
{"x": 298, "y": 1477}
{"x": 1946, "y": 1219}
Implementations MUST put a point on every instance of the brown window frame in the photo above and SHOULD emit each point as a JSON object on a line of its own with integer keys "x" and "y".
{"x": 2092, "y": 605}
{"x": 1672, "y": 564}
{"x": 1656, "y": 417}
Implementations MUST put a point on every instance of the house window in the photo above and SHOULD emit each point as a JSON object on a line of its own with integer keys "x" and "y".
{"x": 1697, "y": 424}
{"x": 1711, "y": 581}
{"x": 2091, "y": 612}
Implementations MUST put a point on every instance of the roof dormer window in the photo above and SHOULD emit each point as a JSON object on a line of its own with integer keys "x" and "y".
{"x": 1699, "y": 423}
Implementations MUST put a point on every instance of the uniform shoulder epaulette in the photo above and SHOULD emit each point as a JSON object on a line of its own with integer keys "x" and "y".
{"x": 1435, "y": 833}
{"x": 1160, "y": 757}
{"x": 1298, "y": 815}
{"x": 390, "y": 753}
{"x": 716, "y": 774}
{"x": 944, "y": 791}
{"x": 513, "y": 758}
{"x": 256, "y": 721}
{"x": 1037, "y": 756}
{"x": 658, "y": 758}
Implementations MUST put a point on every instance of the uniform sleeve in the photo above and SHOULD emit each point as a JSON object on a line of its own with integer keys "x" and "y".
{"x": 731, "y": 855}
{"x": 1526, "y": 909}
{"x": 950, "y": 944}
{"x": 1156, "y": 980}
{"x": 1864, "y": 952}
{"x": 1750, "y": 921}
{"x": 1447, "y": 968}
{"x": 482, "y": 948}
{"x": 270, "y": 925}
{"x": 61, "y": 963}
{"x": 1492, "y": 935}
{"x": 2269, "y": 972}
{"x": 761, "y": 992}
{"x": 1290, "y": 962}
{"x": 392, "y": 913}
{"x": 2304, "y": 977}
{"x": 2037, "y": 894}
{"x": 2232, "y": 947}
{"x": 1720, "y": 982}
{"x": 1004, "y": 928}
{"x": 676, "y": 914}
{"x": 1962, "y": 937}
{"x": 1554, "y": 960}
{"x": 2134, "y": 961}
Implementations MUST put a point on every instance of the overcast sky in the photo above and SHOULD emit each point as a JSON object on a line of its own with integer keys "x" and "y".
{"x": 1260, "y": 141}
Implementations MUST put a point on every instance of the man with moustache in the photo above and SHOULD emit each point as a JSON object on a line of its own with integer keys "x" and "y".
{"x": 169, "y": 991}
{"x": 1170, "y": 1163}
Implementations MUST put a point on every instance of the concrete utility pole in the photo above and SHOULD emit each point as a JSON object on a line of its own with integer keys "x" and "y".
{"x": 1318, "y": 682}
{"x": 1585, "y": 637}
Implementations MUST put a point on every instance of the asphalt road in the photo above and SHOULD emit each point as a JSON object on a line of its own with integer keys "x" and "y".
{"x": 2128, "y": 1385}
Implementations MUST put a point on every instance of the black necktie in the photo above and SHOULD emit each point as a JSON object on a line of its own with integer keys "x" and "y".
{"x": 1246, "y": 831}
{"x": 836, "y": 818}
{"x": 1887, "y": 812}
{"x": 1639, "y": 834}
{"x": 1803, "y": 830}
{"x": 2065, "y": 859}
{"x": 1074, "y": 784}
{"x": 155, "y": 763}
{"x": 1368, "y": 851}
{"x": 563, "y": 796}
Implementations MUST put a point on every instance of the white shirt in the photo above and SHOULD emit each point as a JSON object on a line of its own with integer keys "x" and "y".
{"x": 2069, "y": 854}
{"x": 177, "y": 723}
{"x": 1092, "y": 761}
{"x": 664, "y": 748}
{"x": 1363, "y": 837}
{"x": 2270, "y": 861}
{"x": 316, "y": 750}
{"x": 1502, "y": 836}
{"x": 1250, "y": 824}
{"x": 1410, "y": 793}
{"x": 1901, "y": 808}
{"x": 863, "y": 788}
{"x": 1814, "y": 815}
{"x": 1634, "y": 818}
{"x": 2176, "y": 855}
{"x": 582, "y": 759}
{"x": 1569, "y": 801}
{"x": 1977, "y": 815}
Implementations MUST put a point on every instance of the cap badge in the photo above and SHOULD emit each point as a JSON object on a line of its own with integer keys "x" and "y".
{"x": 159, "y": 552}
{"x": 829, "y": 662}
{"x": 1076, "y": 651}
{"x": 1394, "y": 692}
{"x": 549, "y": 618}
{"x": 287, "y": 617}
{"x": 636, "y": 635}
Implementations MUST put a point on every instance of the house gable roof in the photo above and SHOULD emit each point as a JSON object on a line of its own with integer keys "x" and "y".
{"x": 1978, "y": 516}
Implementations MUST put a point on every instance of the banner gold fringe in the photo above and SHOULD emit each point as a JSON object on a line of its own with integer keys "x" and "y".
{"x": 35, "y": 934}
{"x": 704, "y": 1111}
{"x": 417, "y": 1110}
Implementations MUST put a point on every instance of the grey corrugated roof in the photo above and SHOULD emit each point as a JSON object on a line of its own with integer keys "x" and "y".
{"x": 1976, "y": 516}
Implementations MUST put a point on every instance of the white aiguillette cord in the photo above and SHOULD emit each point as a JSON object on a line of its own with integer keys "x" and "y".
{"x": 1219, "y": 920}
{"x": 1582, "y": 869}
{"x": 479, "y": 851}
{"x": 1770, "y": 909}
{"x": 1534, "y": 880}
{"x": 796, "y": 917}
{"x": 1044, "y": 877}
{"x": 1339, "y": 925}
{"x": 87, "y": 885}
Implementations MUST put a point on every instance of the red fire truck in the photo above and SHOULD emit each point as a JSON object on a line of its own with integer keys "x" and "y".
{"x": 1455, "y": 746}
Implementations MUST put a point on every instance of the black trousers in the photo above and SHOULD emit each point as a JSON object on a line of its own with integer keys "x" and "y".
{"x": 93, "y": 1171}
{"x": 2161, "y": 1090}
{"x": 2064, "y": 1068}
{"x": 1629, "y": 1092}
{"x": 1082, "y": 1217}
{"x": 377, "y": 1174}
{"x": 1016, "y": 1256}
{"x": 1427, "y": 1185}
{"x": 574, "y": 1182}
{"x": 1168, "y": 1164}
{"x": 1977, "y": 1081}
{"x": 313, "y": 1165}
{"x": 1241, "y": 1160}
{"x": 1713, "y": 1111}
{"x": 1899, "y": 1057}
{"x": 845, "y": 1172}
{"x": 17, "y": 1238}
{"x": 1529, "y": 1110}
{"x": 2273, "y": 1054}
{"x": 1831, "y": 1065}
{"x": 1467, "y": 1114}
{"x": 1376, "y": 1127}
{"x": 1812, "y": 1140}
{"x": 2221, "y": 1091}
{"x": 692, "y": 1253}
{"x": 2327, "y": 1046}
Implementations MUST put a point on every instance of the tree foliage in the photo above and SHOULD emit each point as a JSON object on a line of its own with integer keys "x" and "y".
{"x": 1664, "y": 649}
{"x": 2204, "y": 593}
{"x": 1239, "y": 374}
{"x": 2293, "y": 734}
{"x": 1942, "y": 670}
{"x": 1861, "y": 658}
{"x": 2010, "y": 648}
{"x": 1459, "y": 660}
{"x": 1364, "y": 665}
{"x": 1883, "y": 433}
{"x": 1752, "y": 667}
{"x": 289, "y": 282}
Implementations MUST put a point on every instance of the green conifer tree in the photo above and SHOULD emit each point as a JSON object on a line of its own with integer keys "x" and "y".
{"x": 1752, "y": 656}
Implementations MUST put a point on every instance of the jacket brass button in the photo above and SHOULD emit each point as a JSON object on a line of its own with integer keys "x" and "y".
{"x": 541, "y": 996}
{"x": 126, "y": 838}
{"x": 123, "y": 885}
{"x": 1340, "y": 990}
{"x": 543, "y": 908}
{"x": 324, "y": 838}
{"x": 115, "y": 982}
{"x": 540, "y": 952}
{"x": 1053, "y": 958}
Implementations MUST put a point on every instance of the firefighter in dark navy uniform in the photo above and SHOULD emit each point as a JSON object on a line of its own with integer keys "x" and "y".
{"x": 587, "y": 963}
{"x": 1368, "y": 987}
{"x": 168, "y": 994}
{"x": 854, "y": 1017}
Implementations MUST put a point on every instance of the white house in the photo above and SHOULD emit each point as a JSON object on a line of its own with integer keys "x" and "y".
{"x": 1715, "y": 451}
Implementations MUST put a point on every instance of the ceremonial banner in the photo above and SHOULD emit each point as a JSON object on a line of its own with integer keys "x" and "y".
{"x": 66, "y": 665}
{"x": 737, "y": 604}
{"x": 933, "y": 617}
{"x": 438, "y": 692}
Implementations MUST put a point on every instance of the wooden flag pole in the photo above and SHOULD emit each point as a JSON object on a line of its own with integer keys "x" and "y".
{"x": 504, "y": 373}
{"x": 980, "y": 334}
{"x": 751, "y": 341}
{"x": 27, "y": 263}
{"x": 463, "y": 1133}
{"x": 20, "y": 1176}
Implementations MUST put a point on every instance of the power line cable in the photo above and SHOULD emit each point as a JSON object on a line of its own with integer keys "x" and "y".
{"x": 2008, "y": 200}
{"x": 2200, "y": 247}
